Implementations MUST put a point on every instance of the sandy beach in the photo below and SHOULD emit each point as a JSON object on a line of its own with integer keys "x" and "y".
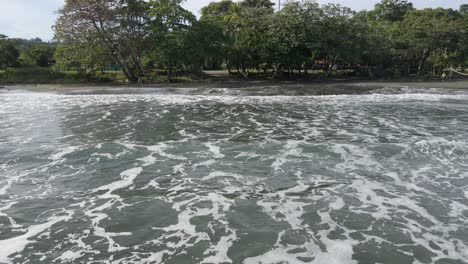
{"x": 309, "y": 87}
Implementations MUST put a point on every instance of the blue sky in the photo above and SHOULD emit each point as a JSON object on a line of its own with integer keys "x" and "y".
{"x": 34, "y": 18}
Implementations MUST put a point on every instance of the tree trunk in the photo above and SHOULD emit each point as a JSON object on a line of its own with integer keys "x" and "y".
{"x": 370, "y": 71}
{"x": 277, "y": 71}
{"x": 169, "y": 72}
{"x": 228, "y": 66}
{"x": 422, "y": 61}
{"x": 330, "y": 66}
{"x": 245, "y": 73}
{"x": 450, "y": 76}
{"x": 137, "y": 64}
{"x": 115, "y": 51}
{"x": 129, "y": 74}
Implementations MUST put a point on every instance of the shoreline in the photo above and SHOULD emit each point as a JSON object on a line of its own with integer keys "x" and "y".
{"x": 318, "y": 87}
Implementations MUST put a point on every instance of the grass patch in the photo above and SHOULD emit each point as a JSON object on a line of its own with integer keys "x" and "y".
{"x": 39, "y": 75}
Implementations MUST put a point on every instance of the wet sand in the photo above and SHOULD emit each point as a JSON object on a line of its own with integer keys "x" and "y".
{"x": 319, "y": 88}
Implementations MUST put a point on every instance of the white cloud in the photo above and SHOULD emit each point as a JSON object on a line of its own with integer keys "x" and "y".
{"x": 28, "y": 18}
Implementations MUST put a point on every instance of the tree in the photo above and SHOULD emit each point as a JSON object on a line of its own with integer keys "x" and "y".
{"x": 258, "y": 4}
{"x": 464, "y": 9}
{"x": 293, "y": 38}
{"x": 85, "y": 57}
{"x": 118, "y": 25}
{"x": 142, "y": 35}
{"x": 170, "y": 25}
{"x": 423, "y": 33}
{"x": 204, "y": 46}
{"x": 342, "y": 35}
{"x": 38, "y": 53}
{"x": 392, "y": 10}
{"x": 9, "y": 54}
{"x": 216, "y": 11}
{"x": 374, "y": 48}
{"x": 223, "y": 18}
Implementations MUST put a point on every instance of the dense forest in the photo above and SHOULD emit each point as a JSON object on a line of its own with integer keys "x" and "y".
{"x": 144, "y": 39}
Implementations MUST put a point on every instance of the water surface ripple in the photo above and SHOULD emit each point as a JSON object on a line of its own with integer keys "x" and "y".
{"x": 227, "y": 178}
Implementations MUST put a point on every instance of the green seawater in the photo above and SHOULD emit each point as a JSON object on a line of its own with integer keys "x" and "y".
{"x": 229, "y": 177}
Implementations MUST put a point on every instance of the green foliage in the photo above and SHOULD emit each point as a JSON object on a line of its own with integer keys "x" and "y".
{"x": 216, "y": 11}
{"x": 342, "y": 34}
{"x": 170, "y": 25}
{"x": 119, "y": 27}
{"x": 427, "y": 33}
{"x": 258, "y": 4}
{"x": 464, "y": 9}
{"x": 41, "y": 75}
{"x": 149, "y": 38}
{"x": 84, "y": 57}
{"x": 392, "y": 10}
{"x": 9, "y": 54}
{"x": 40, "y": 54}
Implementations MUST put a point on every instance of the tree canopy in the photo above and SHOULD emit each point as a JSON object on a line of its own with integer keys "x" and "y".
{"x": 9, "y": 54}
{"x": 148, "y": 37}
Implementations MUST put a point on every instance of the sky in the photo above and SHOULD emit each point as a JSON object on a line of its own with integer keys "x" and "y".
{"x": 34, "y": 18}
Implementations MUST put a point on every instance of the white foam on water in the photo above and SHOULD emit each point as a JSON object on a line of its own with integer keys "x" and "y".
{"x": 249, "y": 155}
{"x": 220, "y": 205}
{"x": 219, "y": 174}
{"x": 184, "y": 233}
{"x": 354, "y": 157}
{"x": 9, "y": 181}
{"x": 127, "y": 178}
{"x": 291, "y": 148}
{"x": 153, "y": 183}
{"x": 7, "y": 206}
{"x": 63, "y": 152}
{"x": 291, "y": 210}
{"x": 148, "y": 160}
{"x": 69, "y": 256}
{"x": 457, "y": 209}
{"x": 17, "y": 244}
{"x": 183, "y": 229}
{"x": 97, "y": 216}
{"x": 160, "y": 150}
{"x": 385, "y": 207}
{"x": 215, "y": 150}
{"x": 221, "y": 250}
{"x": 350, "y": 144}
{"x": 206, "y": 163}
{"x": 277, "y": 255}
{"x": 87, "y": 100}
{"x": 337, "y": 252}
{"x": 337, "y": 204}
{"x": 110, "y": 156}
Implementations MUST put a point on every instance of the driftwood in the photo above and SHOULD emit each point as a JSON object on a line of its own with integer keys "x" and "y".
{"x": 464, "y": 74}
